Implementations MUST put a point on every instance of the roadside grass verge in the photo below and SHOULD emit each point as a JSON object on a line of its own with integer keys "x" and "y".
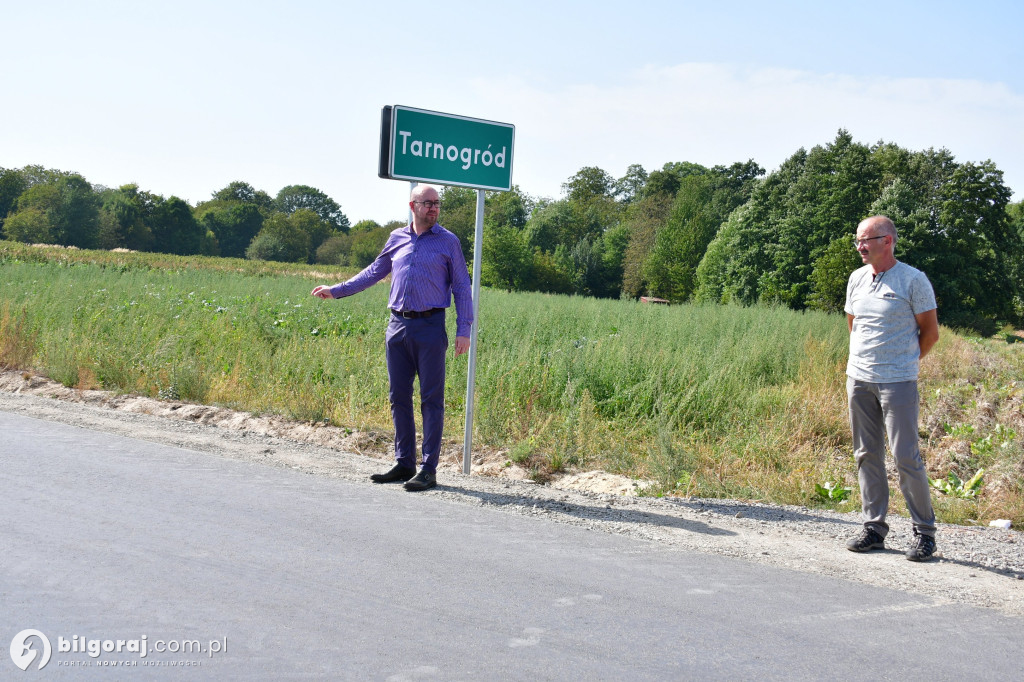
{"x": 705, "y": 400}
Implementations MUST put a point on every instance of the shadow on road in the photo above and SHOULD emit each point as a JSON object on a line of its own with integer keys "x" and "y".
{"x": 607, "y": 513}
{"x": 756, "y": 512}
{"x": 974, "y": 565}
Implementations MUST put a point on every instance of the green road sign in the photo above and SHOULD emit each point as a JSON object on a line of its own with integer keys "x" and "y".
{"x": 445, "y": 149}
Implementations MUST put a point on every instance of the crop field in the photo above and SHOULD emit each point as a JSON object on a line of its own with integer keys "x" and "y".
{"x": 744, "y": 402}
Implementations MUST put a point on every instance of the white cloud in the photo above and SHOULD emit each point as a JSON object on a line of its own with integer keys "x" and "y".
{"x": 700, "y": 112}
{"x": 718, "y": 114}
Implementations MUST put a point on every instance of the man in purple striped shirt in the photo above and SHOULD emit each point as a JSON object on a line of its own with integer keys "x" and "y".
{"x": 427, "y": 268}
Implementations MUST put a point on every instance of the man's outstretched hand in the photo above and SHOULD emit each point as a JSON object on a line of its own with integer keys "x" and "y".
{"x": 322, "y": 292}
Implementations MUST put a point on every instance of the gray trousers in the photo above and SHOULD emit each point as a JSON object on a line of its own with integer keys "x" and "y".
{"x": 877, "y": 410}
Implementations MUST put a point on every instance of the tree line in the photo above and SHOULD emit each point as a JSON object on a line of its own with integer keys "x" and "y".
{"x": 734, "y": 234}
{"x": 46, "y": 206}
{"x": 684, "y": 232}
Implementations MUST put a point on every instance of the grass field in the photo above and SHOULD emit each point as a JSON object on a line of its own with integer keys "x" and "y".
{"x": 706, "y": 400}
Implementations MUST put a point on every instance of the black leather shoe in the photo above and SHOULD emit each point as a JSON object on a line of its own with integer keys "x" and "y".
{"x": 397, "y": 473}
{"x": 424, "y": 480}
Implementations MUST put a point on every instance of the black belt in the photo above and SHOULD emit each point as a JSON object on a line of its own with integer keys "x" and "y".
{"x": 416, "y": 314}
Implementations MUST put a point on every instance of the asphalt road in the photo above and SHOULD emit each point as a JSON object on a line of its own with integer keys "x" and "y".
{"x": 292, "y": 576}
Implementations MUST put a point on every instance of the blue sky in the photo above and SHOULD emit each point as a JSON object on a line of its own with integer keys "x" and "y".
{"x": 183, "y": 98}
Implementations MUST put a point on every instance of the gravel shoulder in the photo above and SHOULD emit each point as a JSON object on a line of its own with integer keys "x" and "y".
{"x": 977, "y": 566}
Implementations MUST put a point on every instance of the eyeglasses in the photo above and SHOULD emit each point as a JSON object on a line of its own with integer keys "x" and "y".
{"x": 858, "y": 242}
{"x": 429, "y": 204}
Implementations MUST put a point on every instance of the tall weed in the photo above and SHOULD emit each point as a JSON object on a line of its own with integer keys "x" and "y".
{"x": 17, "y": 342}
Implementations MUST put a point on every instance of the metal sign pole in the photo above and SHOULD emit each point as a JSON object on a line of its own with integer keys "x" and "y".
{"x": 478, "y": 240}
{"x": 412, "y": 186}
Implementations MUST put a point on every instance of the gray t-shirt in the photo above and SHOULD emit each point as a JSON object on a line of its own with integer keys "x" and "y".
{"x": 884, "y": 346}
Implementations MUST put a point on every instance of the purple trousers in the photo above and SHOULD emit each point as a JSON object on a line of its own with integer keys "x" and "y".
{"x": 417, "y": 348}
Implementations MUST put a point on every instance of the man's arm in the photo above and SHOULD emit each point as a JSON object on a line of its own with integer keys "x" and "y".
{"x": 370, "y": 275}
{"x": 849, "y": 322}
{"x": 928, "y": 324}
{"x": 462, "y": 292}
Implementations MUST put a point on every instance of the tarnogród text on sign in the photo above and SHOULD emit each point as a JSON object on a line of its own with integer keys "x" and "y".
{"x": 429, "y": 146}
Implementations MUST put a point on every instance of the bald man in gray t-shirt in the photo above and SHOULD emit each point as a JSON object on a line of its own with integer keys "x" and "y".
{"x": 891, "y": 313}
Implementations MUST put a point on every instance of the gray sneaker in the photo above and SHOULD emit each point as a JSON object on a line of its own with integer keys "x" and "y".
{"x": 922, "y": 549}
{"x": 865, "y": 541}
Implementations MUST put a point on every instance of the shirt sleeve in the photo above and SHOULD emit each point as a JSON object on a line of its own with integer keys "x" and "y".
{"x": 370, "y": 275}
{"x": 462, "y": 290}
{"x": 850, "y": 284}
{"x": 922, "y": 295}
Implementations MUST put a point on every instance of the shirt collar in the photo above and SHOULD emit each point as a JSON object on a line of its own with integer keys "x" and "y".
{"x": 433, "y": 229}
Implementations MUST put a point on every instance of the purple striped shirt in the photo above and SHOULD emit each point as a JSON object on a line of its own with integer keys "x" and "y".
{"x": 425, "y": 272}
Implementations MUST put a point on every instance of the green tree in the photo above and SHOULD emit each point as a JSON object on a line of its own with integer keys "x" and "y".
{"x": 671, "y": 267}
{"x": 629, "y": 186}
{"x": 616, "y": 244}
{"x": 588, "y": 268}
{"x": 507, "y": 260}
{"x": 1015, "y": 212}
{"x": 458, "y": 215}
{"x": 234, "y": 223}
{"x": 787, "y": 245}
{"x": 590, "y": 193}
{"x": 552, "y": 224}
{"x": 589, "y": 182}
{"x": 245, "y": 193}
{"x": 701, "y": 205}
{"x": 721, "y": 276}
{"x": 41, "y": 200}
{"x": 70, "y": 205}
{"x": 567, "y": 222}
{"x": 123, "y": 216}
{"x": 547, "y": 276}
{"x": 29, "y": 225}
{"x": 667, "y": 179}
{"x": 295, "y": 197}
{"x": 792, "y": 217}
{"x": 367, "y": 244}
{"x": 502, "y": 209}
{"x": 235, "y": 216}
{"x": 279, "y": 240}
{"x": 508, "y": 209}
{"x": 831, "y": 273}
{"x": 39, "y": 175}
{"x": 12, "y": 184}
{"x": 335, "y": 250}
{"x": 364, "y": 226}
{"x": 827, "y": 200}
{"x": 174, "y": 228}
{"x": 958, "y": 231}
{"x": 318, "y": 230}
{"x": 643, "y": 219}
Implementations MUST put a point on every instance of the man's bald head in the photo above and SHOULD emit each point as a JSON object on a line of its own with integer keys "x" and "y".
{"x": 425, "y": 204}
{"x": 875, "y": 241}
{"x": 423, "y": 193}
{"x": 880, "y": 225}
